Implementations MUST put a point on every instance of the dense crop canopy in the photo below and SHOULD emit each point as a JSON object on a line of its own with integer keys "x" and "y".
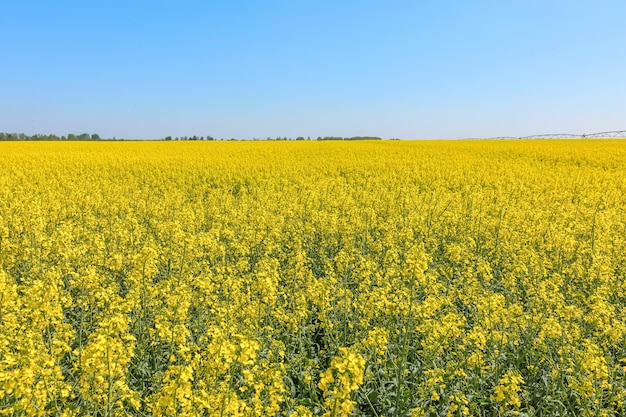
{"x": 307, "y": 278}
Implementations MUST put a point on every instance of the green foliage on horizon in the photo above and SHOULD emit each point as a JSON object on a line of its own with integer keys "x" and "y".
{"x": 4, "y": 136}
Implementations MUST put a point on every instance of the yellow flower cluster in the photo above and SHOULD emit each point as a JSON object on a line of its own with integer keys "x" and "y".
{"x": 443, "y": 278}
{"x": 507, "y": 390}
{"x": 344, "y": 376}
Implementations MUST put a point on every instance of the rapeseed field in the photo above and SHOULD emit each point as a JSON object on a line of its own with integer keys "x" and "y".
{"x": 387, "y": 278}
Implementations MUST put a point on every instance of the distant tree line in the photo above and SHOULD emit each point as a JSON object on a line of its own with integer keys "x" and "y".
{"x": 94, "y": 136}
{"x": 277, "y": 138}
{"x": 71, "y": 136}
{"x": 327, "y": 138}
{"x": 194, "y": 137}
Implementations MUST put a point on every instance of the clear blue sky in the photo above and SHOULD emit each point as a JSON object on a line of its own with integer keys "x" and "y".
{"x": 245, "y": 69}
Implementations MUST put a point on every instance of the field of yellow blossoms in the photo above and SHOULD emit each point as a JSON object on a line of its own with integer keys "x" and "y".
{"x": 384, "y": 278}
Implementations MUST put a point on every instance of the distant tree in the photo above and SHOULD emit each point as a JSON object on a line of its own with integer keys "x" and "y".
{"x": 95, "y": 136}
{"x": 168, "y": 138}
{"x": 364, "y": 138}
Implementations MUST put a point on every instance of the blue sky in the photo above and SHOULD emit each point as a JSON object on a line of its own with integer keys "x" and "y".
{"x": 246, "y": 69}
